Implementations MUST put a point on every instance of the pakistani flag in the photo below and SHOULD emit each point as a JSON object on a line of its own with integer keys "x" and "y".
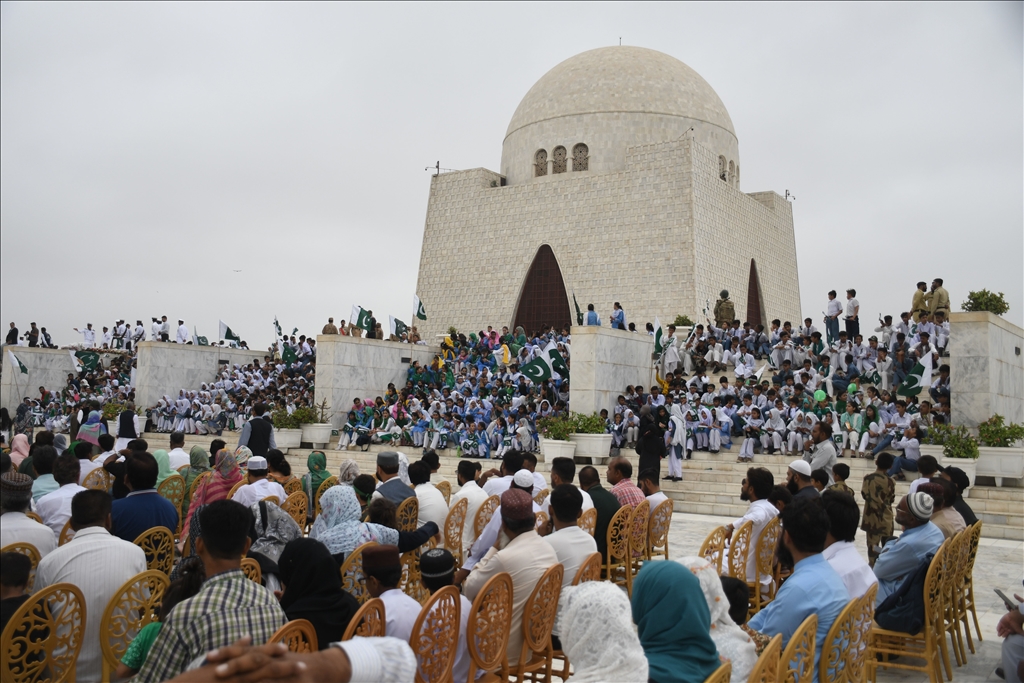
{"x": 17, "y": 363}
{"x": 200, "y": 341}
{"x": 417, "y": 306}
{"x": 277, "y": 327}
{"x": 579, "y": 313}
{"x": 920, "y": 377}
{"x": 537, "y": 369}
{"x": 874, "y": 378}
{"x": 363, "y": 319}
{"x": 398, "y": 328}
{"x": 77, "y": 364}
{"x": 288, "y": 354}
{"x": 558, "y": 365}
{"x": 88, "y": 359}
{"x": 226, "y": 333}
{"x": 658, "y": 346}
{"x": 757, "y": 376}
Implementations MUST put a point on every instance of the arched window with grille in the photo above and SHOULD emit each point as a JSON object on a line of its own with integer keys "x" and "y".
{"x": 580, "y": 157}
{"x": 559, "y": 158}
{"x": 540, "y": 163}
{"x": 732, "y": 173}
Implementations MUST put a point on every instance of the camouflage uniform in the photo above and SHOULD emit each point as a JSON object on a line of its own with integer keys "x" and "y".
{"x": 725, "y": 313}
{"x": 841, "y": 486}
{"x": 879, "y": 492}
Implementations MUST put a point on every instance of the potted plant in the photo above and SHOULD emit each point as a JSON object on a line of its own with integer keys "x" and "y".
{"x": 961, "y": 450}
{"x": 934, "y": 441}
{"x": 286, "y": 430}
{"x": 590, "y": 434}
{"x": 315, "y": 424}
{"x": 554, "y": 437}
{"x": 1001, "y": 454}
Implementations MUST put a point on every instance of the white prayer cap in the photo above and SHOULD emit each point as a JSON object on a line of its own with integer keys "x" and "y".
{"x": 257, "y": 463}
{"x": 801, "y": 466}
{"x": 523, "y": 478}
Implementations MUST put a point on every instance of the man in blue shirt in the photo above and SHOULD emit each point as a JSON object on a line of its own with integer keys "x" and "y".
{"x": 143, "y": 508}
{"x": 592, "y": 317}
{"x": 901, "y": 558}
{"x": 814, "y": 587}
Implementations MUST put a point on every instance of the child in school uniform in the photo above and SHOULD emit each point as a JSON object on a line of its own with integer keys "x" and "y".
{"x": 752, "y": 432}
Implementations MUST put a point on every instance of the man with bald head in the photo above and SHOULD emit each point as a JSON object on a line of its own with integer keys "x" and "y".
{"x": 619, "y": 475}
{"x": 901, "y": 557}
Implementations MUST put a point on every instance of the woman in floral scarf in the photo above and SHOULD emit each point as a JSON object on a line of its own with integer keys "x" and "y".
{"x": 226, "y": 473}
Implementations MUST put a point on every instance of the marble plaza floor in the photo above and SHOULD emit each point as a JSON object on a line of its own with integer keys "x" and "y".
{"x": 1000, "y": 564}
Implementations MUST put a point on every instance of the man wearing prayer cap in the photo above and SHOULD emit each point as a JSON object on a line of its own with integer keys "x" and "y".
{"x": 522, "y": 481}
{"x": 901, "y": 557}
{"x": 521, "y": 552}
{"x": 258, "y": 486}
{"x": 437, "y": 569}
{"x": 15, "y": 525}
{"x": 391, "y": 485}
{"x": 382, "y": 567}
{"x": 798, "y": 480}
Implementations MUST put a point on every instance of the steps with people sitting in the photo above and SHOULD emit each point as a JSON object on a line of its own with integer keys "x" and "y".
{"x": 710, "y": 485}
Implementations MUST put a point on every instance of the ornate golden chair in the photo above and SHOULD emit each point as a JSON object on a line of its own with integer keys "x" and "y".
{"x": 541, "y": 495}
{"x": 44, "y": 636}
{"x": 251, "y": 569}
{"x": 99, "y": 480}
{"x": 231, "y": 493}
{"x": 352, "y": 578}
{"x": 617, "y": 561}
{"x": 173, "y": 489}
{"x": 489, "y": 627}
{"x": 298, "y": 634}
{"x": 541, "y": 520}
{"x": 435, "y": 636}
{"x": 454, "y": 525}
{"x": 658, "y": 527}
{"x": 739, "y": 550}
{"x": 766, "y": 670}
{"x": 326, "y": 484}
{"x": 29, "y": 551}
{"x": 195, "y": 485}
{"x": 135, "y": 605}
{"x": 844, "y": 649}
{"x": 590, "y": 570}
{"x": 445, "y": 487}
{"x": 296, "y": 505}
{"x": 538, "y": 620}
{"x": 723, "y": 674}
{"x": 158, "y": 544}
{"x": 765, "y": 552}
{"x": 588, "y": 522}
{"x": 639, "y": 527}
{"x": 484, "y": 514}
{"x": 968, "y": 587}
{"x": 66, "y": 534}
{"x": 408, "y": 514}
{"x": 293, "y": 485}
{"x": 713, "y": 547}
{"x": 368, "y": 622}
{"x": 797, "y": 664}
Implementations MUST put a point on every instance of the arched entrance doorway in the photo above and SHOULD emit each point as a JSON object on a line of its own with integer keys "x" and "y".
{"x": 754, "y": 314}
{"x": 543, "y": 300}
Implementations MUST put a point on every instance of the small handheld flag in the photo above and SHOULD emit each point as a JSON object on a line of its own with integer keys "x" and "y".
{"x": 417, "y": 305}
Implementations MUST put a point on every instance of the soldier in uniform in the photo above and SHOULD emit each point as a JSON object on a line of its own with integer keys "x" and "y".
{"x": 919, "y": 306}
{"x": 725, "y": 312}
{"x": 937, "y": 300}
{"x": 879, "y": 493}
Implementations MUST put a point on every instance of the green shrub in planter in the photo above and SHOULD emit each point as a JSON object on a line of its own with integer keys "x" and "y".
{"x": 588, "y": 424}
{"x": 305, "y": 416}
{"x": 282, "y": 420}
{"x": 960, "y": 444}
{"x": 555, "y": 428}
{"x": 938, "y": 435}
{"x": 993, "y": 432}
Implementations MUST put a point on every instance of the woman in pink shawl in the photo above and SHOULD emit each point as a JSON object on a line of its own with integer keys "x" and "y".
{"x": 226, "y": 473}
{"x": 19, "y": 449}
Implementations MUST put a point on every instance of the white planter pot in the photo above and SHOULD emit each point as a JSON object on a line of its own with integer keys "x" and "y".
{"x": 1001, "y": 463}
{"x": 319, "y": 435}
{"x": 287, "y": 438}
{"x": 968, "y": 465}
{"x": 934, "y": 451}
{"x": 594, "y": 446}
{"x": 552, "y": 448}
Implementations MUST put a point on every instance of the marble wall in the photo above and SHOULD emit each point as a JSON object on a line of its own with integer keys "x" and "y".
{"x": 350, "y": 367}
{"x": 603, "y": 362}
{"x": 46, "y": 367}
{"x": 167, "y": 368}
{"x": 986, "y": 359}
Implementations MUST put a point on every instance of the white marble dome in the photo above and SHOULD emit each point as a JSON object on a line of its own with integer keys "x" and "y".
{"x": 610, "y": 99}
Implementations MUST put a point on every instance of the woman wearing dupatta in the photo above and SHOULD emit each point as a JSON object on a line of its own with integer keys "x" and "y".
{"x": 92, "y": 429}
{"x": 318, "y": 474}
{"x": 164, "y": 463}
{"x": 242, "y": 455}
{"x": 198, "y": 463}
{"x": 19, "y": 449}
{"x": 226, "y": 473}
{"x": 673, "y": 623}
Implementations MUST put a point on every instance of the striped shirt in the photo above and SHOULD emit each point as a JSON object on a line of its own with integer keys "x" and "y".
{"x": 628, "y": 493}
{"x": 227, "y": 607}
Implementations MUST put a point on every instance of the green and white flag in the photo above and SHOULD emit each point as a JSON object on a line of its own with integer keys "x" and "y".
{"x": 920, "y": 377}
{"x": 537, "y": 369}
{"x": 288, "y": 354}
{"x": 200, "y": 341}
{"x": 874, "y": 378}
{"x": 277, "y": 327}
{"x": 555, "y": 360}
{"x": 226, "y": 333}
{"x": 658, "y": 346}
{"x": 398, "y": 328}
{"x": 548, "y": 364}
{"x": 17, "y": 363}
{"x": 77, "y": 364}
{"x": 417, "y": 305}
{"x": 363, "y": 319}
{"x": 757, "y": 376}
{"x": 88, "y": 359}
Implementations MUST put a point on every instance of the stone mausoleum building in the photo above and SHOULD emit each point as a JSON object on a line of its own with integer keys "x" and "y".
{"x": 620, "y": 181}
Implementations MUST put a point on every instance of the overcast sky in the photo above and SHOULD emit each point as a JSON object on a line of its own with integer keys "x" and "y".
{"x": 242, "y": 161}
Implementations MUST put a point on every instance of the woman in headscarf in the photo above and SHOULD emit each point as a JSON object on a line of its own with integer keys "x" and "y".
{"x": 271, "y": 531}
{"x": 198, "y": 462}
{"x": 348, "y": 471}
{"x": 317, "y": 464}
{"x": 312, "y": 590}
{"x": 278, "y": 468}
{"x": 19, "y": 449}
{"x": 673, "y": 623}
{"x": 598, "y": 636}
{"x": 60, "y": 443}
{"x": 225, "y": 475}
{"x": 403, "y": 468}
{"x": 164, "y": 463}
{"x": 651, "y": 441}
{"x": 242, "y": 455}
{"x": 92, "y": 429}
{"x": 338, "y": 526}
{"x": 732, "y": 643}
